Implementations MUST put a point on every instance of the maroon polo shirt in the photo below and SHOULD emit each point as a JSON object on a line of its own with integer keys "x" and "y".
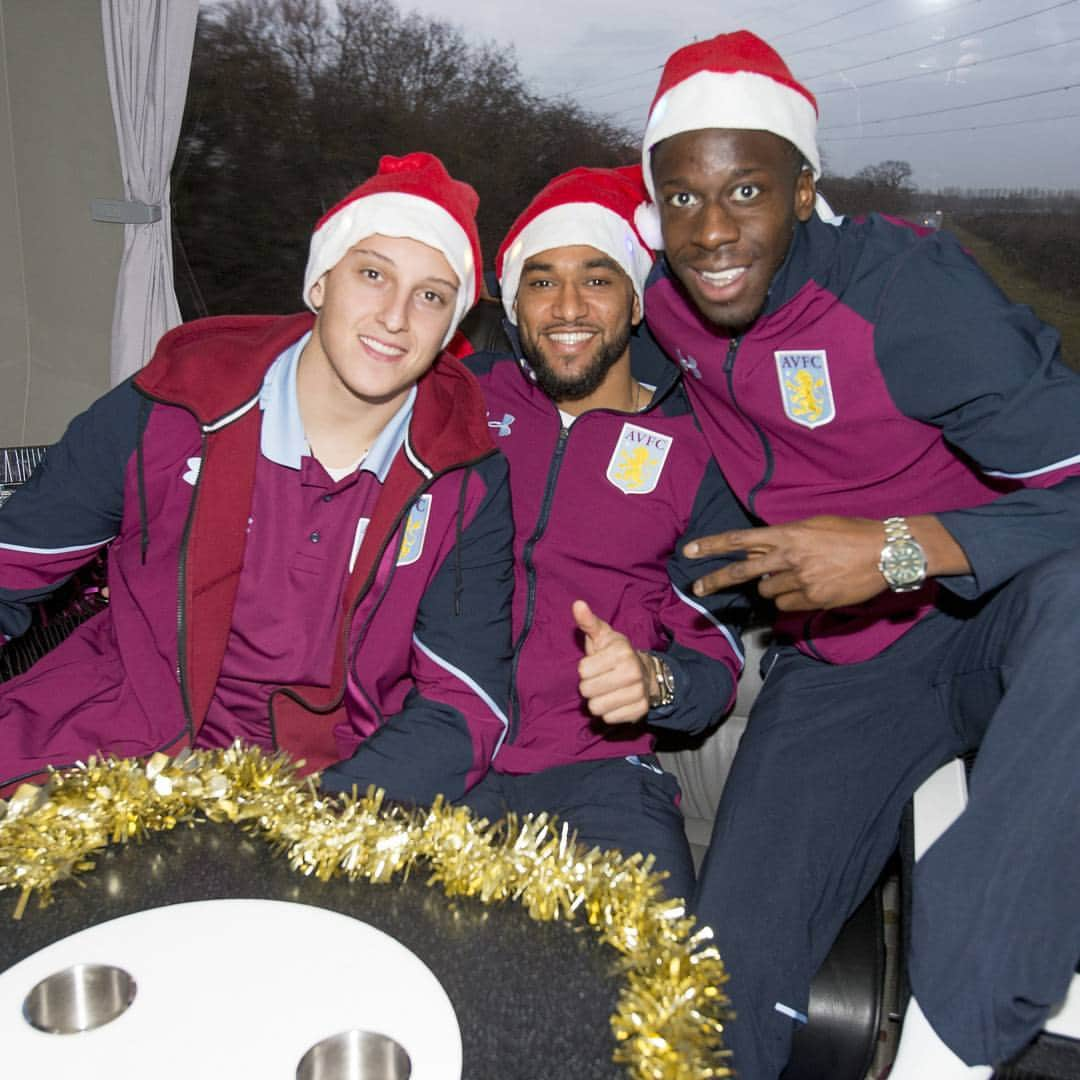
{"x": 303, "y": 532}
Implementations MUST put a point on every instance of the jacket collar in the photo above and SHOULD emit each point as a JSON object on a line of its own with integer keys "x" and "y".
{"x": 214, "y": 368}
{"x": 282, "y": 438}
{"x": 813, "y": 244}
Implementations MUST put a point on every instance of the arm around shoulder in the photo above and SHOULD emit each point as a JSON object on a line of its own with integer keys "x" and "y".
{"x": 705, "y": 654}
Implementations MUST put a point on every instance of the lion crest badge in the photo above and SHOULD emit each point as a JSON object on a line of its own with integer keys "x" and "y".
{"x": 412, "y": 542}
{"x": 638, "y": 459}
{"x": 805, "y": 387}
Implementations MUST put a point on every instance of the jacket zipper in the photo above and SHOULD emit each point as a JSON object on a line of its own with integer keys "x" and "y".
{"x": 530, "y": 577}
{"x": 729, "y": 364}
{"x": 766, "y": 476}
{"x": 181, "y": 576}
{"x": 181, "y": 606}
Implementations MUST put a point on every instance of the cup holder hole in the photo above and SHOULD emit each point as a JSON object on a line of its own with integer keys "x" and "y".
{"x": 79, "y": 998}
{"x": 355, "y": 1055}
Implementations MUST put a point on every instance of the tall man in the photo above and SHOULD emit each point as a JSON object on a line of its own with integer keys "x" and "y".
{"x": 609, "y": 476}
{"x": 310, "y": 536}
{"x": 908, "y": 438}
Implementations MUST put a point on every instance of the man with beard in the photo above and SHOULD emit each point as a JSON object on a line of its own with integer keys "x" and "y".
{"x": 872, "y": 376}
{"x": 609, "y": 476}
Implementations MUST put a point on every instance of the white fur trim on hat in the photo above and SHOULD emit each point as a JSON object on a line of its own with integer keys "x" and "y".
{"x": 647, "y": 221}
{"x": 394, "y": 213}
{"x": 825, "y": 211}
{"x": 743, "y": 100}
{"x": 568, "y": 225}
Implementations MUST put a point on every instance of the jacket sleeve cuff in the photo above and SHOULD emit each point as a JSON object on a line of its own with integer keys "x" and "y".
{"x": 698, "y": 702}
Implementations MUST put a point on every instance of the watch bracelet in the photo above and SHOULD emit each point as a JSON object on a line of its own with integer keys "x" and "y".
{"x": 665, "y": 682}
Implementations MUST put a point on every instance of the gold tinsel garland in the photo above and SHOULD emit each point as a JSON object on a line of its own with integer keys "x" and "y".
{"x": 669, "y": 1021}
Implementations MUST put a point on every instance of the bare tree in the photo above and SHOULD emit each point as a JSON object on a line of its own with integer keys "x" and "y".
{"x": 293, "y": 101}
{"x": 890, "y": 175}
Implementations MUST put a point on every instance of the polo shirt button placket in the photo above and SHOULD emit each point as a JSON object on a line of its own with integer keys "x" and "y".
{"x": 315, "y": 537}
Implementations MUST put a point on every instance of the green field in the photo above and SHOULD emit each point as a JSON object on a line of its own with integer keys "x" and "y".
{"x": 1058, "y": 310}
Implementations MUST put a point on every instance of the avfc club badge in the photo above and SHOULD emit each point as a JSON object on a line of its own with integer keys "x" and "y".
{"x": 805, "y": 387}
{"x": 638, "y": 459}
{"x": 412, "y": 543}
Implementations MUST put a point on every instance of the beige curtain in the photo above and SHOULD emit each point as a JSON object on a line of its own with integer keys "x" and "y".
{"x": 148, "y": 46}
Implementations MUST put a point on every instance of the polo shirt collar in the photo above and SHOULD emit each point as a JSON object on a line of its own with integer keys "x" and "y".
{"x": 282, "y": 439}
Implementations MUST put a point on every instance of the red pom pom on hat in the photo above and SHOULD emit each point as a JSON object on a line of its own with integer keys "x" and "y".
{"x": 414, "y": 197}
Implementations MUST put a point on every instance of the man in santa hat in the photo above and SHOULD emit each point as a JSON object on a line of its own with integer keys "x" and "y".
{"x": 907, "y": 439}
{"x": 309, "y": 530}
{"x": 609, "y": 476}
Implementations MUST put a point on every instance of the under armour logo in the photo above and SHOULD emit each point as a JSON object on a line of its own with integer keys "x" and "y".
{"x": 502, "y": 426}
{"x": 192, "y": 474}
{"x": 688, "y": 364}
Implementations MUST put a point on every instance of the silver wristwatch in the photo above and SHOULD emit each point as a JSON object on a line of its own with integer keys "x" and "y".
{"x": 903, "y": 561}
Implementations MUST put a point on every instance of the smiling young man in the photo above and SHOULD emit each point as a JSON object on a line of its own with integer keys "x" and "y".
{"x": 907, "y": 439}
{"x": 609, "y": 475}
{"x": 310, "y": 531}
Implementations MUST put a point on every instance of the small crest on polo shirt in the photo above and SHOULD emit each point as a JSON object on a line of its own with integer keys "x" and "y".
{"x": 412, "y": 543}
{"x": 805, "y": 387}
{"x": 638, "y": 460}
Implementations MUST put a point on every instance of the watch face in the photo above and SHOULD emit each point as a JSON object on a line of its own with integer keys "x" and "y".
{"x": 903, "y": 563}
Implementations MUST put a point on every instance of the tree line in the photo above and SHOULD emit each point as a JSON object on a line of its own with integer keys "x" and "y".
{"x": 292, "y": 102}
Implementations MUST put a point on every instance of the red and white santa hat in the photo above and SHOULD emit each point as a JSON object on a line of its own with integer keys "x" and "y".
{"x": 414, "y": 197}
{"x": 731, "y": 81}
{"x": 584, "y": 206}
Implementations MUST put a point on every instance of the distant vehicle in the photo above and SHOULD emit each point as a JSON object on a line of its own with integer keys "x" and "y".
{"x": 932, "y": 219}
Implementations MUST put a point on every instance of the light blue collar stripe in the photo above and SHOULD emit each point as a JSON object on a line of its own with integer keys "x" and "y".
{"x": 56, "y": 550}
{"x": 390, "y": 440}
{"x": 732, "y": 640}
{"x": 283, "y": 440}
{"x": 472, "y": 684}
{"x": 1064, "y": 464}
{"x": 217, "y": 425}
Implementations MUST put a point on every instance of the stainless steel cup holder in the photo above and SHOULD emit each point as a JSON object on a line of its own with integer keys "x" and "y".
{"x": 355, "y": 1055}
{"x": 79, "y": 998}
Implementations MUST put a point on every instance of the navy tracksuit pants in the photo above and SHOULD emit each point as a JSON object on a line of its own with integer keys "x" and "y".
{"x": 811, "y": 811}
{"x": 626, "y": 804}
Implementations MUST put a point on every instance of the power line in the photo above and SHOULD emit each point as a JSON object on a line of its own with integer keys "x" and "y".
{"x": 993, "y": 26}
{"x": 944, "y": 41}
{"x": 943, "y": 71}
{"x": 950, "y": 131}
{"x": 795, "y": 52}
{"x": 625, "y": 89}
{"x": 951, "y": 108}
{"x": 884, "y": 29}
{"x": 817, "y": 48}
{"x": 830, "y": 19}
{"x": 617, "y": 78}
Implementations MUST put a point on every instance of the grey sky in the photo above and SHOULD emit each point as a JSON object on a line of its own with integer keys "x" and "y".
{"x": 608, "y": 56}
